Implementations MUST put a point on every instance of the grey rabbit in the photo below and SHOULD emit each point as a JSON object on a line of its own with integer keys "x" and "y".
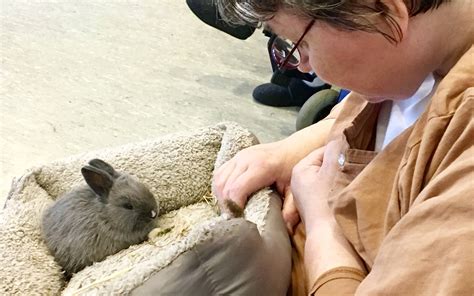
{"x": 112, "y": 212}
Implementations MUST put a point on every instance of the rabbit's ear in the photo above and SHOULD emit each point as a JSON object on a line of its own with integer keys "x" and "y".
{"x": 100, "y": 181}
{"x": 102, "y": 165}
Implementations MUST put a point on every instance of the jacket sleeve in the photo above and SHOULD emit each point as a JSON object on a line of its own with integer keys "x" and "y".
{"x": 430, "y": 250}
{"x": 337, "y": 281}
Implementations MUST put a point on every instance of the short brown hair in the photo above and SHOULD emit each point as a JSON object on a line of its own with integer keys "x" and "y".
{"x": 344, "y": 14}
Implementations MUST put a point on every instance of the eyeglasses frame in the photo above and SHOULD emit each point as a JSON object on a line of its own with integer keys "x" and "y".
{"x": 281, "y": 67}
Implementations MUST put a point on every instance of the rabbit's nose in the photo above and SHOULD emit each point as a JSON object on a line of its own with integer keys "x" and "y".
{"x": 153, "y": 214}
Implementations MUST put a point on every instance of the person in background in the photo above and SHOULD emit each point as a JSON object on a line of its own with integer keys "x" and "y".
{"x": 289, "y": 88}
{"x": 378, "y": 196}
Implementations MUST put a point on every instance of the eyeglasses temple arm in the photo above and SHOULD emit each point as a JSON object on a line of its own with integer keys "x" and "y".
{"x": 285, "y": 61}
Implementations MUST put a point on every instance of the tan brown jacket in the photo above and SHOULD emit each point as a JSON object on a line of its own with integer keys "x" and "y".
{"x": 408, "y": 210}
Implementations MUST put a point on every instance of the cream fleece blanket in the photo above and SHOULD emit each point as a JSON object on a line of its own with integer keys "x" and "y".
{"x": 177, "y": 169}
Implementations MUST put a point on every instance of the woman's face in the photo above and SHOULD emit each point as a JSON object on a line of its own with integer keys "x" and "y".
{"x": 366, "y": 63}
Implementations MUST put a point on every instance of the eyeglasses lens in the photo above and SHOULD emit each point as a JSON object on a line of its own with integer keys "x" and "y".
{"x": 281, "y": 48}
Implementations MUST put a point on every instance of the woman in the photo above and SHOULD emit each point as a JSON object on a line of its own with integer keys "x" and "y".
{"x": 386, "y": 202}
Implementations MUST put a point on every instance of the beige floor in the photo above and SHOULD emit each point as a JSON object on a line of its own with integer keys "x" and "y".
{"x": 82, "y": 75}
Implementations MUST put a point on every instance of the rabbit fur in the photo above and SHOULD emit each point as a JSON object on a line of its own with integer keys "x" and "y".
{"x": 112, "y": 212}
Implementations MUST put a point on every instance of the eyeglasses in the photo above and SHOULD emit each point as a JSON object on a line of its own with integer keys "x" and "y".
{"x": 285, "y": 53}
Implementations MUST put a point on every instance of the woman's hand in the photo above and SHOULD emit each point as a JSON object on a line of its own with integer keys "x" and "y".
{"x": 310, "y": 188}
{"x": 289, "y": 211}
{"x": 326, "y": 246}
{"x": 252, "y": 169}
{"x": 263, "y": 165}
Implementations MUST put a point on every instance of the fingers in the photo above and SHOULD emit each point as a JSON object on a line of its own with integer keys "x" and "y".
{"x": 237, "y": 182}
{"x": 231, "y": 182}
{"x": 314, "y": 158}
{"x": 235, "y": 189}
{"x": 290, "y": 212}
{"x": 305, "y": 170}
{"x": 220, "y": 177}
{"x": 229, "y": 189}
{"x": 281, "y": 187}
{"x": 246, "y": 183}
{"x": 248, "y": 171}
{"x": 309, "y": 187}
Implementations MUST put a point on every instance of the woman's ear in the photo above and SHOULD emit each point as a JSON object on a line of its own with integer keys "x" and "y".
{"x": 395, "y": 16}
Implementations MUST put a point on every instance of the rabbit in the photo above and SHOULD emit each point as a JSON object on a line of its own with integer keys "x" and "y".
{"x": 112, "y": 212}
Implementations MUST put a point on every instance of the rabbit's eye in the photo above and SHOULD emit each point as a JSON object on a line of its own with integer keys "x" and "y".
{"x": 128, "y": 206}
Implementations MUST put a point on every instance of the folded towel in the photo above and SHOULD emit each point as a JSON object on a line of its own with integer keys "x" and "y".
{"x": 178, "y": 171}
